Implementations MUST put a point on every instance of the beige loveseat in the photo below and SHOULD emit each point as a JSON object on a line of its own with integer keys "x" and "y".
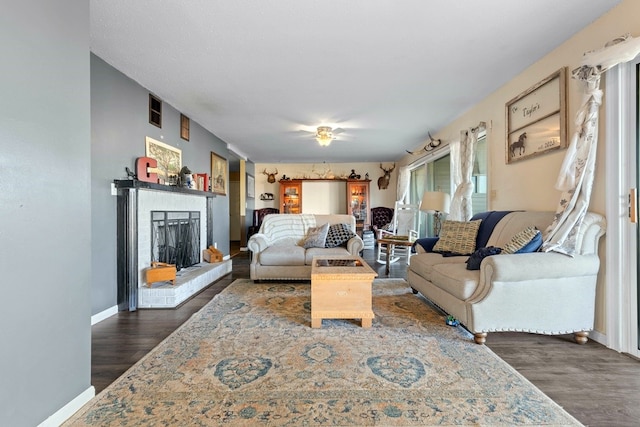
{"x": 277, "y": 249}
{"x": 540, "y": 292}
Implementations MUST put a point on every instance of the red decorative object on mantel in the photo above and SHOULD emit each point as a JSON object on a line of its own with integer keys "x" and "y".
{"x": 202, "y": 181}
{"x": 146, "y": 169}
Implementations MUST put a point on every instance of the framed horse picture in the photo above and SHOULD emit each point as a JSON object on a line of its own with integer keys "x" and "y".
{"x": 537, "y": 119}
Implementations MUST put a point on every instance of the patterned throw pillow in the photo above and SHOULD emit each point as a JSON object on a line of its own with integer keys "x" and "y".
{"x": 316, "y": 237}
{"x": 522, "y": 239}
{"x": 457, "y": 237}
{"x": 338, "y": 235}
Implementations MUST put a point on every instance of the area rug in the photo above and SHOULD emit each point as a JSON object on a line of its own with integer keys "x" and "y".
{"x": 250, "y": 358}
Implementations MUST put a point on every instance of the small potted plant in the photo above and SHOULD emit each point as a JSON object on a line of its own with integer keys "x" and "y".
{"x": 451, "y": 321}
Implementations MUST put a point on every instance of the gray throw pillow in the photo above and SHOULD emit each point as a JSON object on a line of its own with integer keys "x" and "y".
{"x": 316, "y": 237}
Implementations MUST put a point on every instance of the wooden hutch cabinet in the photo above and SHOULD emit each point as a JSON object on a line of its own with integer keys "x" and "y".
{"x": 291, "y": 196}
{"x": 358, "y": 202}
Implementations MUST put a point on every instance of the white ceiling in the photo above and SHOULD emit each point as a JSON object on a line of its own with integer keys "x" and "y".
{"x": 257, "y": 73}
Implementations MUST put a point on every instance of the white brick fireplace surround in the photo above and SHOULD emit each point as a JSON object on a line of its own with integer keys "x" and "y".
{"x": 136, "y": 200}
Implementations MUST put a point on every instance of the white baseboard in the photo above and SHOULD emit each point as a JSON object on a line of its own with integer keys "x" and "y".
{"x": 244, "y": 249}
{"x": 99, "y": 317}
{"x": 599, "y": 338}
{"x": 69, "y": 409}
{"x": 226, "y": 257}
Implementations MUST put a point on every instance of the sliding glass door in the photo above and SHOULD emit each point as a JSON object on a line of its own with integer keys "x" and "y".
{"x": 435, "y": 175}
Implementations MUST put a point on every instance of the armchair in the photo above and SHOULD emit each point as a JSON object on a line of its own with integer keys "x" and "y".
{"x": 380, "y": 216}
{"x": 258, "y": 216}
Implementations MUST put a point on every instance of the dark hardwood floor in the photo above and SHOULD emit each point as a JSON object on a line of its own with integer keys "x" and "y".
{"x": 598, "y": 386}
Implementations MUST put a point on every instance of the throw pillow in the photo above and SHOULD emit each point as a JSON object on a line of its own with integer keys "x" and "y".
{"x": 338, "y": 235}
{"x": 521, "y": 240}
{"x": 474, "y": 261}
{"x": 457, "y": 237}
{"x": 316, "y": 237}
{"x": 533, "y": 245}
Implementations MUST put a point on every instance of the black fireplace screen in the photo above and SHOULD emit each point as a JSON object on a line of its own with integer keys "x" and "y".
{"x": 175, "y": 238}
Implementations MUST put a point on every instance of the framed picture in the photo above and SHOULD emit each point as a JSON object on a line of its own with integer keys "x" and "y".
{"x": 536, "y": 119}
{"x": 169, "y": 158}
{"x": 251, "y": 187}
{"x": 219, "y": 174}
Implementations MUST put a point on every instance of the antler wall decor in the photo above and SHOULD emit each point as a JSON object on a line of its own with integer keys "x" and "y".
{"x": 271, "y": 176}
{"x": 433, "y": 143}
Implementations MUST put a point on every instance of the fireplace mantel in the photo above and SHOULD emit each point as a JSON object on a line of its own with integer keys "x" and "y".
{"x": 134, "y": 183}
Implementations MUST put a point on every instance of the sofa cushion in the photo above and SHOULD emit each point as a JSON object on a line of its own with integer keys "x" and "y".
{"x": 316, "y": 237}
{"x": 422, "y": 263}
{"x": 457, "y": 237}
{"x": 520, "y": 240}
{"x": 489, "y": 221}
{"x": 281, "y": 254}
{"x": 338, "y": 235}
{"x": 517, "y": 221}
{"x": 455, "y": 279}
{"x": 339, "y": 250}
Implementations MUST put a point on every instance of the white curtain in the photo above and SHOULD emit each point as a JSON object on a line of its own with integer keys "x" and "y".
{"x": 463, "y": 154}
{"x": 402, "y": 187}
{"x": 575, "y": 179}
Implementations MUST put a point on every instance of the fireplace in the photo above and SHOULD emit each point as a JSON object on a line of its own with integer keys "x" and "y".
{"x": 167, "y": 224}
{"x": 175, "y": 238}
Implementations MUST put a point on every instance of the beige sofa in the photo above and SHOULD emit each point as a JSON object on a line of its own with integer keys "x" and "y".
{"x": 277, "y": 252}
{"x": 539, "y": 292}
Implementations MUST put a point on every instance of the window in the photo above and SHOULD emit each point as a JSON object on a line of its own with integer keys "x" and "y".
{"x": 184, "y": 127}
{"x": 155, "y": 111}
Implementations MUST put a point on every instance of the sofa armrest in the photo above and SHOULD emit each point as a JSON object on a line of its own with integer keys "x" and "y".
{"x": 355, "y": 245}
{"x": 257, "y": 243}
{"x": 537, "y": 265}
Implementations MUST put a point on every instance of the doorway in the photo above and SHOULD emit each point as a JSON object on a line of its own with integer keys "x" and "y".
{"x": 236, "y": 213}
{"x": 622, "y": 154}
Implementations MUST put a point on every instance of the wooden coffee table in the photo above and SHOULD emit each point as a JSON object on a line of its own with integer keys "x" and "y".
{"x": 341, "y": 289}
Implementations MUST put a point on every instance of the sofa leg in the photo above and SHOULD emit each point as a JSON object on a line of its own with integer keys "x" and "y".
{"x": 581, "y": 337}
{"x": 414, "y": 291}
{"x": 480, "y": 337}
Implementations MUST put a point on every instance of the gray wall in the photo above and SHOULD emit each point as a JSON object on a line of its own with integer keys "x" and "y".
{"x": 45, "y": 210}
{"x": 119, "y": 125}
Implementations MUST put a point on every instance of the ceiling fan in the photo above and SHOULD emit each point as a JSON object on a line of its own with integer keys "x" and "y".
{"x": 325, "y": 134}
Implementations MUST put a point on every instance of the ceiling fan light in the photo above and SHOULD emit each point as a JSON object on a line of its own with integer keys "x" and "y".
{"x": 324, "y": 135}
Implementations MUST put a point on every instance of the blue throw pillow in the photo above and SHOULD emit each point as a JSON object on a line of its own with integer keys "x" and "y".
{"x": 532, "y": 246}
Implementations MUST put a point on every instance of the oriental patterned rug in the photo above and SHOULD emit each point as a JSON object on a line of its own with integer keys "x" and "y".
{"x": 250, "y": 358}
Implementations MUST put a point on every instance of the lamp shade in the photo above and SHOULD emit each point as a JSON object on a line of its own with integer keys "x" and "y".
{"x": 435, "y": 201}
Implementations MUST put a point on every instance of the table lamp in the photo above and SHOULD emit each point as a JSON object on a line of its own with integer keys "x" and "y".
{"x": 435, "y": 202}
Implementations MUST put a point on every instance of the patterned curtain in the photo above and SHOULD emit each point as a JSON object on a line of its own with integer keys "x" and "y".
{"x": 463, "y": 155}
{"x": 575, "y": 179}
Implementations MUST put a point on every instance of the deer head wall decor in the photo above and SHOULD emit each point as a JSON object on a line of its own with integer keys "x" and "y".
{"x": 383, "y": 181}
{"x": 271, "y": 176}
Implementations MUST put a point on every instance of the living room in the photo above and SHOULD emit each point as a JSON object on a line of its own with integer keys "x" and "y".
{"x": 86, "y": 121}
